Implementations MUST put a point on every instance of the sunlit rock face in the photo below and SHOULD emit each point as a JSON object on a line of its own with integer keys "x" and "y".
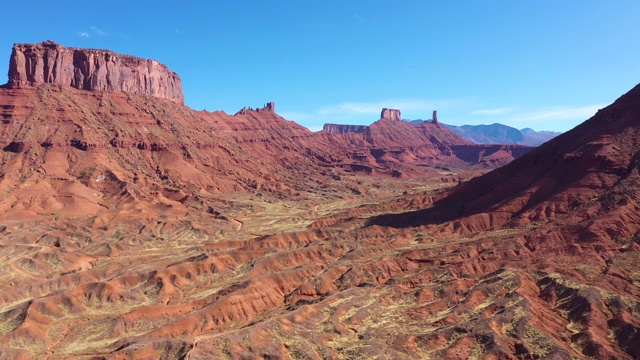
{"x": 91, "y": 69}
{"x": 391, "y": 114}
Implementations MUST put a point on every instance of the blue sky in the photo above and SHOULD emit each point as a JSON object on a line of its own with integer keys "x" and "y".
{"x": 545, "y": 64}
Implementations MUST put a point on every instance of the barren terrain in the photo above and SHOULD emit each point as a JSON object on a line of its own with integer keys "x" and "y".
{"x": 310, "y": 279}
{"x": 134, "y": 227}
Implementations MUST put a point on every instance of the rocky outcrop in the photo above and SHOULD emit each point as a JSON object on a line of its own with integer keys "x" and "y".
{"x": 388, "y": 139}
{"x": 587, "y": 177}
{"x": 91, "y": 69}
{"x": 269, "y": 107}
{"x": 434, "y": 119}
{"x": 391, "y": 114}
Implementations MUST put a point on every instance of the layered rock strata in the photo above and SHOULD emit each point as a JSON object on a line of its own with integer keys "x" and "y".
{"x": 91, "y": 69}
{"x": 428, "y": 141}
{"x": 344, "y": 129}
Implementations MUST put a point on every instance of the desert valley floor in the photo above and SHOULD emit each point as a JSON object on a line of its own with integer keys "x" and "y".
{"x": 308, "y": 279}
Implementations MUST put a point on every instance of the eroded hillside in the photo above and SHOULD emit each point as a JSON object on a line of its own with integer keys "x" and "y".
{"x": 134, "y": 227}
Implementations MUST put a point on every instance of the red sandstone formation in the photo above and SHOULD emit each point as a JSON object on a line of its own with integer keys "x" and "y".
{"x": 390, "y": 114}
{"x": 579, "y": 170}
{"x": 404, "y": 148}
{"x": 569, "y": 212}
{"x": 133, "y": 227}
{"x": 269, "y": 107}
{"x": 429, "y": 142}
{"x": 90, "y": 69}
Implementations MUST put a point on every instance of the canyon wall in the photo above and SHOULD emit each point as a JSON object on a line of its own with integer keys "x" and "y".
{"x": 91, "y": 69}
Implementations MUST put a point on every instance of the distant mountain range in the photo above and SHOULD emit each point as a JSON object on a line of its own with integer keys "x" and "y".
{"x": 499, "y": 134}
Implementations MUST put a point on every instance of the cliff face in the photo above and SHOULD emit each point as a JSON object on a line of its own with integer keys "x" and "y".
{"x": 91, "y": 69}
{"x": 344, "y": 129}
{"x": 391, "y": 114}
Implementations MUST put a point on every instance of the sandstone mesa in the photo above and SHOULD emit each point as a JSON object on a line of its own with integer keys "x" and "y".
{"x": 91, "y": 69}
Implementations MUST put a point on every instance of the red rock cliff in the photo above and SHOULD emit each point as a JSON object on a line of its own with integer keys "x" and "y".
{"x": 391, "y": 114}
{"x": 91, "y": 69}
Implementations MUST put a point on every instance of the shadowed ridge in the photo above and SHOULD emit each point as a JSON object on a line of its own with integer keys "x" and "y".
{"x": 553, "y": 179}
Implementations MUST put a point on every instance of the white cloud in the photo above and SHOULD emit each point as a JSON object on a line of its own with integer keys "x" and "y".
{"x": 364, "y": 113}
{"x": 497, "y": 111}
{"x": 560, "y": 113}
{"x": 298, "y": 116}
{"x": 311, "y": 121}
{"x": 455, "y": 112}
{"x": 179, "y": 32}
{"x": 83, "y": 34}
{"x": 358, "y": 17}
{"x": 99, "y": 31}
{"x": 373, "y": 108}
{"x": 124, "y": 36}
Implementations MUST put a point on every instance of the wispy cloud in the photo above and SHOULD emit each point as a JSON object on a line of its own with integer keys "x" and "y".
{"x": 364, "y": 113}
{"x": 498, "y": 111}
{"x": 179, "y": 32}
{"x": 83, "y": 34}
{"x": 456, "y": 112}
{"x": 311, "y": 121}
{"x": 124, "y": 36}
{"x": 371, "y": 108}
{"x": 99, "y": 31}
{"x": 358, "y": 18}
{"x": 559, "y": 113}
{"x": 298, "y": 116}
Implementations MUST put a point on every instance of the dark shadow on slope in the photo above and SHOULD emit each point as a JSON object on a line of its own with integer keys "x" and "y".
{"x": 442, "y": 211}
{"x": 601, "y": 148}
